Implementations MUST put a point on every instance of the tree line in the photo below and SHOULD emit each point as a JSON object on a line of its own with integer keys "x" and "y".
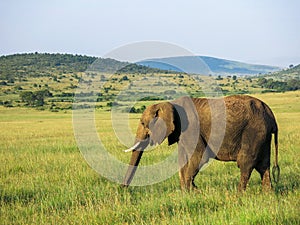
{"x": 292, "y": 84}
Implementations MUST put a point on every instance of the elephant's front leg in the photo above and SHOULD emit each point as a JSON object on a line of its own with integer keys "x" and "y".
{"x": 190, "y": 165}
{"x": 183, "y": 164}
{"x": 182, "y": 173}
{"x": 187, "y": 174}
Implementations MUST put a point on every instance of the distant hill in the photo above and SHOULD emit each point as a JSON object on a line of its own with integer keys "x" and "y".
{"x": 208, "y": 65}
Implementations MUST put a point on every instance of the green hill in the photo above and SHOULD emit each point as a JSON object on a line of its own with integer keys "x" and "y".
{"x": 50, "y": 80}
{"x": 39, "y": 65}
{"x": 22, "y": 66}
{"x": 284, "y": 80}
{"x": 292, "y": 72}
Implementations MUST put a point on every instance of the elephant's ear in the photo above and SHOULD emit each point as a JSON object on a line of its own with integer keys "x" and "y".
{"x": 161, "y": 123}
{"x": 168, "y": 113}
{"x": 165, "y": 112}
{"x": 174, "y": 136}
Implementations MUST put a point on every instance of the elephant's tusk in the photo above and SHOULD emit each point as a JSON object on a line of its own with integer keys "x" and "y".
{"x": 132, "y": 148}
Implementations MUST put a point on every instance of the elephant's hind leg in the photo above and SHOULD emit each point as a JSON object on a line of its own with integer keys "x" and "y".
{"x": 247, "y": 159}
{"x": 246, "y": 166}
{"x": 245, "y": 176}
{"x": 263, "y": 166}
{"x": 265, "y": 178}
{"x": 264, "y": 171}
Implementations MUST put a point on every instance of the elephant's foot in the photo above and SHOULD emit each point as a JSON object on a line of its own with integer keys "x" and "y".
{"x": 244, "y": 180}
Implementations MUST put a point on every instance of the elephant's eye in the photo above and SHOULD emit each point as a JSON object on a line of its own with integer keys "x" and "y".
{"x": 144, "y": 124}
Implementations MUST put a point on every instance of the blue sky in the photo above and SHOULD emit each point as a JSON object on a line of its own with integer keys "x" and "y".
{"x": 256, "y": 31}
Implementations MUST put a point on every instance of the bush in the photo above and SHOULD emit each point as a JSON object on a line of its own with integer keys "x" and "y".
{"x": 3, "y": 83}
{"x": 124, "y": 78}
{"x": 219, "y": 78}
{"x": 137, "y": 110}
{"x": 7, "y": 104}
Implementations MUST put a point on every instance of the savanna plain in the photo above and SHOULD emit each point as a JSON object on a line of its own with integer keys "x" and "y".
{"x": 45, "y": 179}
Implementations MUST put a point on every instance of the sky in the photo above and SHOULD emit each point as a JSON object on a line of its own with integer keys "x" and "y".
{"x": 253, "y": 31}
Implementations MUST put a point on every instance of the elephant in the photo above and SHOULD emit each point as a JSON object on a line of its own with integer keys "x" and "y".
{"x": 232, "y": 128}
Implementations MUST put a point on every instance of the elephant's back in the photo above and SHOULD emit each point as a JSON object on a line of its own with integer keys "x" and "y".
{"x": 239, "y": 110}
{"x": 253, "y": 110}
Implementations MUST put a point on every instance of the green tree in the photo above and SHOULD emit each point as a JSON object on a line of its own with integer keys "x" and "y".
{"x": 27, "y": 97}
{"x": 262, "y": 81}
{"x": 36, "y": 98}
{"x": 39, "y": 98}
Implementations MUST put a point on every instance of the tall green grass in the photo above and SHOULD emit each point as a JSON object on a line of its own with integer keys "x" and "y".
{"x": 45, "y": 180}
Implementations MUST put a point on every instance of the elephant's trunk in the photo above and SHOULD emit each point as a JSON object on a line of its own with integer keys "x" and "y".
{"x": 134, "y": 161}
{"x": 137, "y": 152}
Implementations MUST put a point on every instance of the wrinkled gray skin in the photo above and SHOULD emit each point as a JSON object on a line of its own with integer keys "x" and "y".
{"x": 246, "y": 139}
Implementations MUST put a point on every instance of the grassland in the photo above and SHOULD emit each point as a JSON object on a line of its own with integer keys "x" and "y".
{"x": 45, "y": 180}
{"x": 107, "y": 86}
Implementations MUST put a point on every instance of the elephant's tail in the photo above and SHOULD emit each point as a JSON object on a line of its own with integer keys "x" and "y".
{"x": 276, "y": 169}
